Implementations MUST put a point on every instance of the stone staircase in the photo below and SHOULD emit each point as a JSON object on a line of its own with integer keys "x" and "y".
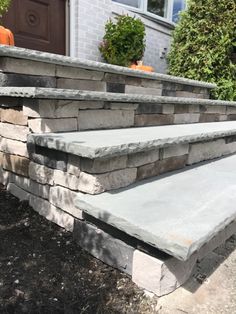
{"x": 139, "y": 166}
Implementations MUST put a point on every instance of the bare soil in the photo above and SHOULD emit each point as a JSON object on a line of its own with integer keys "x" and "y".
{"x": 42, "y": 270}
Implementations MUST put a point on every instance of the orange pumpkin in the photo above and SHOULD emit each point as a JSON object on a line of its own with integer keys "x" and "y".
{"x": 142, "y": 68}
{"x": 6, "y": 37}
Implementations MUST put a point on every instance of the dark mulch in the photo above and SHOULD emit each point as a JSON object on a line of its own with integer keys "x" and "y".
{"x": 43, "y": 271}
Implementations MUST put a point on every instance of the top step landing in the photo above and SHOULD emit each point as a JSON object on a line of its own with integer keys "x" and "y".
{"x": 67, "y": 72}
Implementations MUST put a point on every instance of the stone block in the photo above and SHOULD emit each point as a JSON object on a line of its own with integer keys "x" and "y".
{"x": 52, "y": 213}
{"x": 14, "y": 132}
{"x": 186, "y": 94}
{"x": 95, "y": 184}
{"x": 73, "y": 165}
{"x": 13, "y": 147}
{"x": 160, "y": 276}
{"x": 5, "y": 175}
{"x": 152, "y": 84}
{"x": 78, "y": 73}
{"x": 114, "y": 78}
{"x": 28, "y": 67}
{"x": 153, "y": 119}
{"x": 209, "y": 117}
{"x": 186, "y": 118}
{"x": 103, "y": 246}
{"x": 67, "y": 180}
{"x": 181, "y": 108}
{"x": 213, "y": 109}
{"x": 133, "y": 80}
{"x": 143, "y": 158}
{"x": 104, "y": 119}
{"x": 14, "y": 79}
{"x": 223, "y": 117}
{"x": 87, "y": 104}
{"x": 149, "y": 108}
{"x": 14, "y": 116}
{"x": 231, "y": 117}
{"x": 115, "y": 88}
{"x": 129, "y": 89}
{"x": 161, "y": 166}
{"x": 194, "y": 108}
{"x": 175, "y": 150}
{"x": 65, "y": 199}
{"x": 53, "y": 125}
{"x": 16, "y": 164}
{"x": 231, "y": 110}
{"x": 15, "y": 190}
{"x": 103, "y": 165}
{"x": 41, "y": 174}
{"x": 121, "y": 106}
{"x": 81, "y": 84}
{"x": 168, "y": 109}
{"x": 206, "y": 151}
{"x": 10, "y": 102}
{"x": 31, "y": 186}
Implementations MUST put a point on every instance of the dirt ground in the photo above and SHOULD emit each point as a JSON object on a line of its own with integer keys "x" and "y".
{"x": 43, "y": 271}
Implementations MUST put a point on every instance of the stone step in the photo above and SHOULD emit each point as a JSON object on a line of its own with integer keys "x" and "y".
{"x": 50, "y": 70}
{"x": 176, "y": 214}
{"x": 110, "y": 159}
{"x": 44, "y": 108}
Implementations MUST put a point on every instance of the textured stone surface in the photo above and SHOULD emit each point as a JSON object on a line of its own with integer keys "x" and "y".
{"x": 149, "y": 108}
{"x": 15, "y": 79}
{"x": 194, "y": 218}
{"x": 175, "y": 150}
{"x": 16, "y": 164}
{"x": 81, "y": 84}
{"x": 186, "y": 118}
{"x": 153, "y": 119}
{"x": 67, "y": 180}
{"x": 15, "y": 190}
{"x": 52, "y": 213}
{"x": 53, "y": 125}
{"x": 103, "y": 246}
{"x": 14, "y": 116}
{"x": 138, "y": 159}
{"x": 73, "y": 165}
{"x": 22, "y": 53}
{"x": 110, "y": 143}
{"x": 13, "y": 147}
{"x": 103, "y": 165}
{"x": 210, "y": 117}
{"x": 14, "y": 132}
{"x": 78, "y": 73}
{"x": 102, "y": 119}
{"x": 65, "y": 199}
{"x": 160, "y": 276}
{"x": 41, "y": 174}
{"x": 95, "y": 184}
{"x": 4, "y": 174}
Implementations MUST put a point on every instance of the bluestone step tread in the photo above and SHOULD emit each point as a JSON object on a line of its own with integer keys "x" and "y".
{"x": 116, "y": 142}
{"x": 72, "y": 94}
{"x": 177, "y": 214}
{"x": 21, "y": 53}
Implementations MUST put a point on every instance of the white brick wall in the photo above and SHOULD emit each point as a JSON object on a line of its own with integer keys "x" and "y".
{"x": 89, "y": 20}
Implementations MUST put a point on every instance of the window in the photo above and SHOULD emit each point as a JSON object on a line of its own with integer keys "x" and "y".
{"x": 162, "y": 9}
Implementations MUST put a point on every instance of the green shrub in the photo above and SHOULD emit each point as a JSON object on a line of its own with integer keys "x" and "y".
{"x": 4, "y": 5}
{"x": 202, "y": 45}
{"x": 124, "y": 41}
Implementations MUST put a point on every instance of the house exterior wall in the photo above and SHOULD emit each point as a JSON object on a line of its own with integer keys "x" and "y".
{"x": 88, "y": 20}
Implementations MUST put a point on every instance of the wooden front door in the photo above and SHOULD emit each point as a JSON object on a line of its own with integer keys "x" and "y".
{"x": 38, "y": 24}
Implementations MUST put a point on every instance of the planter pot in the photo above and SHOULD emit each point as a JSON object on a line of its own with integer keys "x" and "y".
{"x": 6, "y": 37}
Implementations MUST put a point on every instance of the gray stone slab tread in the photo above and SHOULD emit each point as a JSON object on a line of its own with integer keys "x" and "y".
{"x": 34, "y": 55}
{"x": 177, "y": 214}
{"x": 109, "y": 143}
{"x": 71, "y": 94}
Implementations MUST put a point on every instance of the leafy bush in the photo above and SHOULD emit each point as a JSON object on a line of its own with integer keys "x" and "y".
{"x": 124, "y": 41}
{"x": 4, "y": 5}
{"x": 203, "y": 42}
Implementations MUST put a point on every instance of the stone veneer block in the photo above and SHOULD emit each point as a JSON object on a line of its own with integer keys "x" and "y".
{"x": 104, "y": 119}
{"x": 41, "y": 174}
{"x": 53, "y": 125}
{"x": 213, "y": 109}
{"x": 153, "y": 119}
{"x": 149, "y": 108}
{"x": 73, "y": 165}
{"x": 181, "y": 108}
{"x": 103, "y": 165}
{"x": 152, "y": 84}
{"x": 31, "y": 186}
{"x": 121, "y": 106}
{"x": 52, "y": 213}
{"x": 160, "y": 276}
{"x": 130, "y": 89}
{"x": 142, "y": 158}
{"x": 175, "y": 150}
{"x": 187, "y": 94}
{"x": 28, "y": 67}
{"x": 65, "y": 199}
{"x": 66, "y": 83}
{"x": 209, "y": 117}
{"x": 14, "y": 116}
{"x": 16, "y": 164}
{"x": 78, "y": 73}
{"x": 168, "y": 109}
{"x": 13, "y": 147}
{"x": 67, "y": 180}
{"x": 14, "y": 79}
{"x": 14, "y": 132}
{"x": 15, "y": 190}
{"x": 231, "y": 110}
{"x": 103, "y": 246}
{"x": 5, "y": 175}
{"x": 186, "y": 118}
{"x": 95, "y": 184}
{"x": 161, "y": 166}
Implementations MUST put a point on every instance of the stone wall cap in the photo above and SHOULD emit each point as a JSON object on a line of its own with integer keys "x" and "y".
{"x": 177, "y": 214}
{"x": 71, "y": 94}
{"x": 22, "y": 53}
{"x": 117, "y": 142}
